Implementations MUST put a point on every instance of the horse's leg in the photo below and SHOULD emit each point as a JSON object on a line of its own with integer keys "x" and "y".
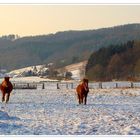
{"x": 85, "y": 99}
{"x": 3, "y": 96}
{"x": 78, "y": 96}
{"x": 81, "y": 98}
{"x": 7, "y": 98}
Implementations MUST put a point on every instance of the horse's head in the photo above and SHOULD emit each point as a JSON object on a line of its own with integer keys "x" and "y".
{"x": 85, "y": 84}
{"x": 6, "y": 78}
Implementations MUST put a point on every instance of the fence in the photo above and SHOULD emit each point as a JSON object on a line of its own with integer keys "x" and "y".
{"x": 24, "y": 86}
{"x": 60, "y": 85}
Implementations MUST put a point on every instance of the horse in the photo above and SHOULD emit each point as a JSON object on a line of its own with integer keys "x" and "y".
{"x": 82, "y": 91}
{"x": 6, "y": 87}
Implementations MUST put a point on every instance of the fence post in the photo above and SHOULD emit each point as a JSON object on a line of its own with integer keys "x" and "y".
{"x": 36, "y": 86}
{"x": 57, "y": 86}
{"x": 132, "y": 85}
{"x": 28, "y": 85}
{"x": 116, "y": 85}
{"x": 71, "y": 85}
{"x": 43, "y": 86}
{"x": 100, "y": 85}
{"x": 66, "y": 85}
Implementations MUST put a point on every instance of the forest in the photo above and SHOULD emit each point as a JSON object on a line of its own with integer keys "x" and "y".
{"x": 115, "y": 62}
{"x": 61, "y": 48}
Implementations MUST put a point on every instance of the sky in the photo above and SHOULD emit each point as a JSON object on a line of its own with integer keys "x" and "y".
{"x": 26, "y": 20}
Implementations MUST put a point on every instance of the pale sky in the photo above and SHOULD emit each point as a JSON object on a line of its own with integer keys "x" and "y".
{"x": 26, "y": 20}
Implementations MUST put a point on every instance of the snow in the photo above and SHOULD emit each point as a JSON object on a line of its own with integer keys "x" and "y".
{"x": 27, "y": 68}
{"x": 21, "y": 72}
{"x": 76, "y": 74}
{"x": 30, "y": 79}
{"x": 56, "y": 112}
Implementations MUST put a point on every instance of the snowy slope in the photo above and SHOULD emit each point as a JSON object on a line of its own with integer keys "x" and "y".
{"x": 77, "y": 70}
{"x": 56, "y": 112}
{"x": 35, "y": 69}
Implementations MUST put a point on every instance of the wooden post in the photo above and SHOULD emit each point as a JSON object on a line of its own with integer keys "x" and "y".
{"x": 43, "y": 86}
{"x": 116, "y": 85}
{"x": 28, "y": 85}
{"x": 71, "y": 85}
{"x": 66, "y": 85}
{"x": 100, "y": 85}
{"x": 57, "y": 86}
{"x": 36, "y": 86}
{"x": 132, "y": 85}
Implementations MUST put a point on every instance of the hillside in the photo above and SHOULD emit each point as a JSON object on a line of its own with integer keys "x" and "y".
{"x": 119, "y": 62}
{"x": 39, "y": 70}
{"x": 62, "y": 48}
{"x": 77, "y": 71}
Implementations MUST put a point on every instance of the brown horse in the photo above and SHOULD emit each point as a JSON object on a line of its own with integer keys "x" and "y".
{"x": 6, "y": 88}
{"x": 82, "y": 91}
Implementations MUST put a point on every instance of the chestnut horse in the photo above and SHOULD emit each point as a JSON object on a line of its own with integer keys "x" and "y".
{"x": 82, "y": 91}
{"x": 6, "y": 88}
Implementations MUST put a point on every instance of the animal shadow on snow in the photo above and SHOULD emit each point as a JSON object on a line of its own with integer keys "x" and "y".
{"x": 5, "y": 116}
{"x": 6, "y": 127}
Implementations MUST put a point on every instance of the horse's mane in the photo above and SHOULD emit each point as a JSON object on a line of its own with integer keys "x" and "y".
{"x": 84, "y": 83}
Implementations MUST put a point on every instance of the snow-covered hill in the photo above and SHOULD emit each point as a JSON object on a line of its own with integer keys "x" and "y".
{"x": 28, "y": 71}
{"x": 77, "y": 70}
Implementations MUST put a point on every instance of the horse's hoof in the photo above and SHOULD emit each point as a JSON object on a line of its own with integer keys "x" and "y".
{"x": 6, "y": 102}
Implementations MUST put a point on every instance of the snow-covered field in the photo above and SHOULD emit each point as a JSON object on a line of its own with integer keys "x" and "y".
{"x": 30, "y": 79}
{"x": 56, "y": 112}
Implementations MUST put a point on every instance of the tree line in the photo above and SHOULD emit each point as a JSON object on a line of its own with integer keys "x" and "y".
{"x": 61, "y": 48}
{"x": 116, "y": 62}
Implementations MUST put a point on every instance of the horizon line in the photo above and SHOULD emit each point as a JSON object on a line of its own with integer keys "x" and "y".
{"x": 78, "y": 30}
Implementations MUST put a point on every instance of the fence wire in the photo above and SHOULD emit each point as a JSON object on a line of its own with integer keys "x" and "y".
{"x": 66, "y": 85}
